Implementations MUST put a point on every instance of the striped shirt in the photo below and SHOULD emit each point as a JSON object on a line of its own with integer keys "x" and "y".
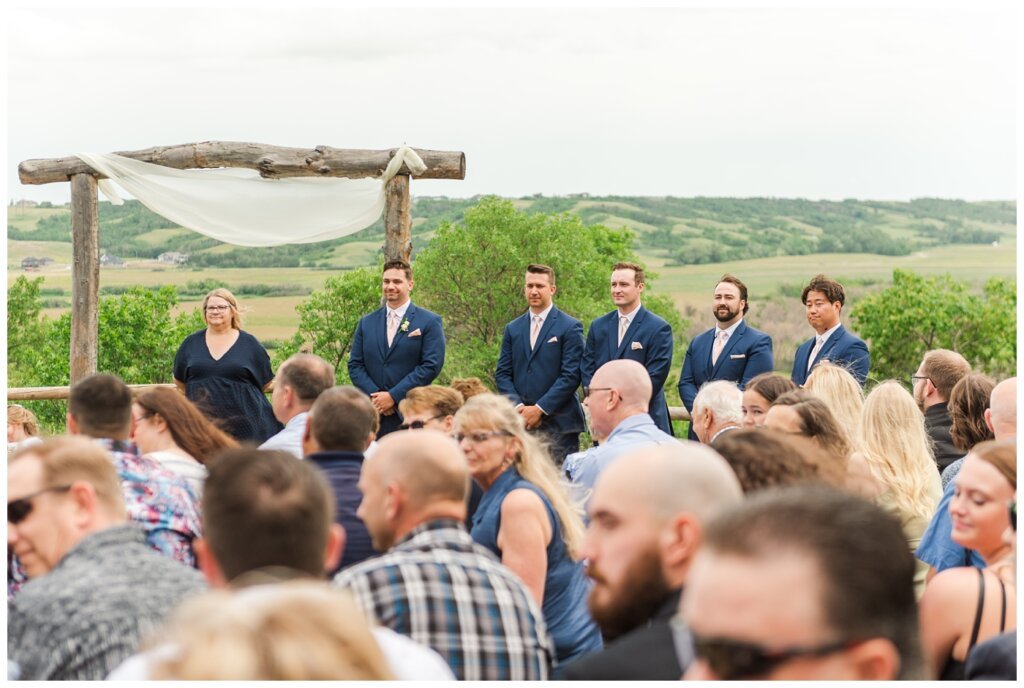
{"x": 446, "y": 592}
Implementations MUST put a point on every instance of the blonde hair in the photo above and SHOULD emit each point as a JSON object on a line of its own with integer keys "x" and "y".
{"x": 19, "y": 415}
{"x": 292, "y": 631}
{"x": 895, "y": 444}
{"x": 221, "y": 292}
{"x": 534, "y": 463}
{"x": 841, "y": 392}
{"x": 67, "y": 460}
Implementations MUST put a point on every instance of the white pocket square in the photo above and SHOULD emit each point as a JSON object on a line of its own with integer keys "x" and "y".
{"x": 415, "y": 333}
{"x": 737, "y": 355}
{"x": 636, "y": 346}
{"x": 552, "y": 340}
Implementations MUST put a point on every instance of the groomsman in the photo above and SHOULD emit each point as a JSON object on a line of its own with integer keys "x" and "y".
{"x": 824, "y": 299}
{"x": 397, "y": 347}
{"x": 633, "y": 332}
{"x": 729, "y": 351}
{"x": 539, "y": 365}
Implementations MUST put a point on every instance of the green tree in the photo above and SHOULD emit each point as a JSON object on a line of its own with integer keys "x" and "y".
{"x": 919, "y": 313}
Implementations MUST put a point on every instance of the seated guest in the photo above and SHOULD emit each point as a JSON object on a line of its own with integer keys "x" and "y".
{"x": 617, "y": 401}
{"x": 717, "y": 408}
{"x": 841, "y": 393}
{"x": 295, "y": 631}
{"x": 646, "y": 518}
{"x": 299, "y": 381}
{"x": 937, "y": 548}
{"x": 337, "y": 432}
{"x": 766, "y": 458}
{"x": 895, "y": 444}
{"x": 22, "y": 428}
{"x": 285, "y": 509}
{"x": 95, "y": 587}
{"x": 803, "y": 583}
{"x": 469, "y": 387}
{"x": 527, "y": 518}
{"x": 932, "y": 384}
{"x": 100, "y": 407}
{"x": 434, "y": 407}
{"x": 760, "y": 393}
{"x": 167, "y": 427}
{"x": 433, "y": 583}
{"x": 965, "y": 605}
{"x": 968, "y": 415}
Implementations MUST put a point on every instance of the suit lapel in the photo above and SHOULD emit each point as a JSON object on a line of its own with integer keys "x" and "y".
{"x": 724, "y": 356}
{"x": 525, "y": 325}
{"x": 379, "y": 329}
{"x": 542, "y": 336}
{"x": 830, "y": 344}
{"x": 634, "y": 326}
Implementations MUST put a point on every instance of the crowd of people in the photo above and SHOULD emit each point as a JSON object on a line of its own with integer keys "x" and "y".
{"x": 400, "y": 529}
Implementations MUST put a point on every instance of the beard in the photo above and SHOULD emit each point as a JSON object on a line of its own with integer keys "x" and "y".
{"x": 726, "y": 314}
{"x": 919, "y": 397}
{"x": 636, "y": 599}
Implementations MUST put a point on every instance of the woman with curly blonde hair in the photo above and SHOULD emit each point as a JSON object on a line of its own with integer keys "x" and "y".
{"x": 896, "y": 447}
{"x": 527, "y": 518}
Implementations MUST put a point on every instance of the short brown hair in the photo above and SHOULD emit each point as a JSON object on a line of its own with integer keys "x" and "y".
{"x": 190, "y": 429}
{"x": 19, "y": 415}
{"x": 469, "y": 387}
{"x": 771, "y": 385}
{"x": 538, "y": 269}
{"x": 832, "y": 290}
{"x": 444, "y": 401}
{"x": 101, "y": 405}
{"x": 735, "y": 281}
{"x": 967, "y": 403}
{"x": 341, "y": 419}
{"x": 66, "y": 460}
{"x": 944, "y": 368}
{"x": 266, "y": 508}
{"x": 763, "y": 458}
{"x": 638, "y": 270}
{"x": 399, "y": 264}
{"x": 307, "y": 374}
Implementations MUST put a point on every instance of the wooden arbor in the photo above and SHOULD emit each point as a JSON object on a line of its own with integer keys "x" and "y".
{"x": 270, "y": 161}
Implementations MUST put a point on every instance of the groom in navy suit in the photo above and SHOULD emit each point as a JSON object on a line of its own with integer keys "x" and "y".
{"x": 824, "y": 298}
{"x": 539, "y": 365}
{"x": 631, "y": 331}
{"x": 395, "y": 348}
{"x": 731, "y": 351}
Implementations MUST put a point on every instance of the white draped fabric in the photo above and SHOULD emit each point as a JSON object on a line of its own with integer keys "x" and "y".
{"x": 239, "y": 207}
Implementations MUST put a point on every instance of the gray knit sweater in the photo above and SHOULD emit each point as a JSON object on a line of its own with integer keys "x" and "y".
{"x": 87, "y": 615}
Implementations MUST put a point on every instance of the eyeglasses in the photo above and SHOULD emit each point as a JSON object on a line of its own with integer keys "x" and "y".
{"x": 19, "y": 509}
{"x": 588, "y": 390}
{"x": 732, "y": 659}
{"x": 915, "y": 378}
{"x": 420, "y": 424}
{"x": 217, "y": 309}
{"x": 1012, "y": 508}
{"x": 478, "y": 437}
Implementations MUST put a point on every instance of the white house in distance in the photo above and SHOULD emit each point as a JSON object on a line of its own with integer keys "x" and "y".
{"x": 173, "y": 258}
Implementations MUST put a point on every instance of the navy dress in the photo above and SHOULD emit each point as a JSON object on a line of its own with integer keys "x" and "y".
{"x": 230, "y": 390}
{"x": 565, "y": 586}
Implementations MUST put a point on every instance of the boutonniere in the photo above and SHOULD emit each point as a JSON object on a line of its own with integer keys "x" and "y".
{"x": 404, "y": 327}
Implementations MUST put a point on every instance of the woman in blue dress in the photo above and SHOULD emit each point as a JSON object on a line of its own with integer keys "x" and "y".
{"x": 527, "y": 519}
{"x": 225, "y": 372}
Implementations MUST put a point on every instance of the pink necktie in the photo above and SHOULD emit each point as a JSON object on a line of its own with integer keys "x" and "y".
{"x": 392, "y": 326}
{"x": 623, "y": 326}
{"x": 814, "y": 352}
{"x": 535, "y": 331}
{"x": 716, "y": 350}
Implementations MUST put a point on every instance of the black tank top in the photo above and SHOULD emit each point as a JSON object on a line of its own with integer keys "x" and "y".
{"x": 954, "y": 669}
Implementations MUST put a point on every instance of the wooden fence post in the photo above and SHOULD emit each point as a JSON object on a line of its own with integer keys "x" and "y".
{"x": 85, "y": 276}
{"x": 397, "y": 219}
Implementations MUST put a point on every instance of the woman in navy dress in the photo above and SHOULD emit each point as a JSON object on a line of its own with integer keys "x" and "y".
{"x": 225, "y": 371}
{"x": 526, "y": 518}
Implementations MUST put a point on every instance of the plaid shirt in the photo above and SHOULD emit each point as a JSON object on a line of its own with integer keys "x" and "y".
{"x": 446, "y": 592}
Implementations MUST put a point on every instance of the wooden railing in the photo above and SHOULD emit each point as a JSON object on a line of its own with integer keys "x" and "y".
{"x": 41, "y": 393}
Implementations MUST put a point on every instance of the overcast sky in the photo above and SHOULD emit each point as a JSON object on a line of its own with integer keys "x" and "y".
{"x": 813, "y": 103}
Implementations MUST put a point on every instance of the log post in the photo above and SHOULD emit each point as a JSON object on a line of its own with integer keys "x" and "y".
{"x": 85, "y": 276}
{"x": 397, "y": 219}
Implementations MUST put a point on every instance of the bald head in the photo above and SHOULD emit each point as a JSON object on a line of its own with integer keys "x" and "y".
{"x": 427, "y": 465}
{"x": 629, "y": 378}
{"x": 1002, "y": 412}
{"x": 670, "y": 479}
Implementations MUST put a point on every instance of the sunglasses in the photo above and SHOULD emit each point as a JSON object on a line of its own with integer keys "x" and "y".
{"x": 731, "y": 659}
{"x": 19, "y": 509}
{"x": 1012, "y": 508}
{"x": 419, "y": 424}
{"x": 478, "y": 437}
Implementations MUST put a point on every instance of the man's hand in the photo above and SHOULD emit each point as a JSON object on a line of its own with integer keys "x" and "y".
{"x": 383, "y": 402}
{"x": 532, "y": 416}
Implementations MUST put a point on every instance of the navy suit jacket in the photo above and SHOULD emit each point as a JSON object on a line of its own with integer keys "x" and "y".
{"x": 748, "y": 352}
{"x": 842, "y": 348}
{"x": 647, "y": 341}
{"x": 409, "y": 361}
{"x": 547, "y": 375}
